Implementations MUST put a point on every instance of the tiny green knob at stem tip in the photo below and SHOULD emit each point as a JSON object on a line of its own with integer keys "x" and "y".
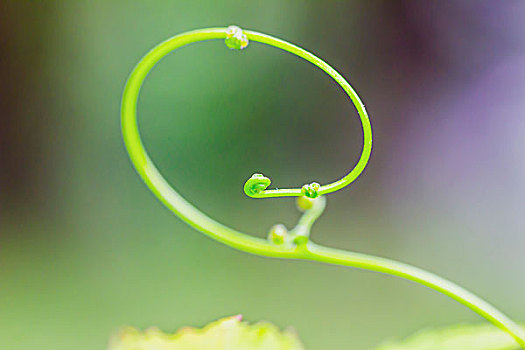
{"x": 256, "y": 184}
{"x": 278, "y": 234}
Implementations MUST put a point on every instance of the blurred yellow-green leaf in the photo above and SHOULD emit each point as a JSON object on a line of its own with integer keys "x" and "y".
{"x": 226, "y": 334}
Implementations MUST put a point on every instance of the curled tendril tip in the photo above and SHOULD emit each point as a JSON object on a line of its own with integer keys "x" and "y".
{"x": 256, "y": 184}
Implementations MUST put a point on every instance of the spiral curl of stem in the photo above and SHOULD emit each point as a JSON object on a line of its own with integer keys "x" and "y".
{"x": 300, "y": 247}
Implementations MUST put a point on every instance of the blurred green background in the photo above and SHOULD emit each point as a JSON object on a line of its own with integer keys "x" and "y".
{"x": 85, "y": 248}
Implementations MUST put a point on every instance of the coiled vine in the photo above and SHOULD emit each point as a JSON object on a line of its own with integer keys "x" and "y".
{"x": 281, "y": 243}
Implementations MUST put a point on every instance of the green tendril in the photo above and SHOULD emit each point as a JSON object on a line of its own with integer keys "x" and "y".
{"x": 293, "y": 244}
{"x": 256, "y": 184}
{"x": 301, "y": 232}
{"x": 314, "y": 189}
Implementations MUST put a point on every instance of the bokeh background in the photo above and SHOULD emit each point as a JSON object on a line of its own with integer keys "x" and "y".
{"x": 85, "y": 248}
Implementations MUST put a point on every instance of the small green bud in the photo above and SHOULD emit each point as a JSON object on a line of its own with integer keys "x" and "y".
{"x": 235, "y": 38}
{"x": 278, "y": 234}
{"x": 304, "y": 203}
{"x": 310, "y": 190}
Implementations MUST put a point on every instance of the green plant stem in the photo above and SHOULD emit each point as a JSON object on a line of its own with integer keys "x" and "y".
{"x": 365, "y": 122}
{"x": 411, "y": 273}
{"x": 304, "y": 226}
{"x": 238, "y": 240}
